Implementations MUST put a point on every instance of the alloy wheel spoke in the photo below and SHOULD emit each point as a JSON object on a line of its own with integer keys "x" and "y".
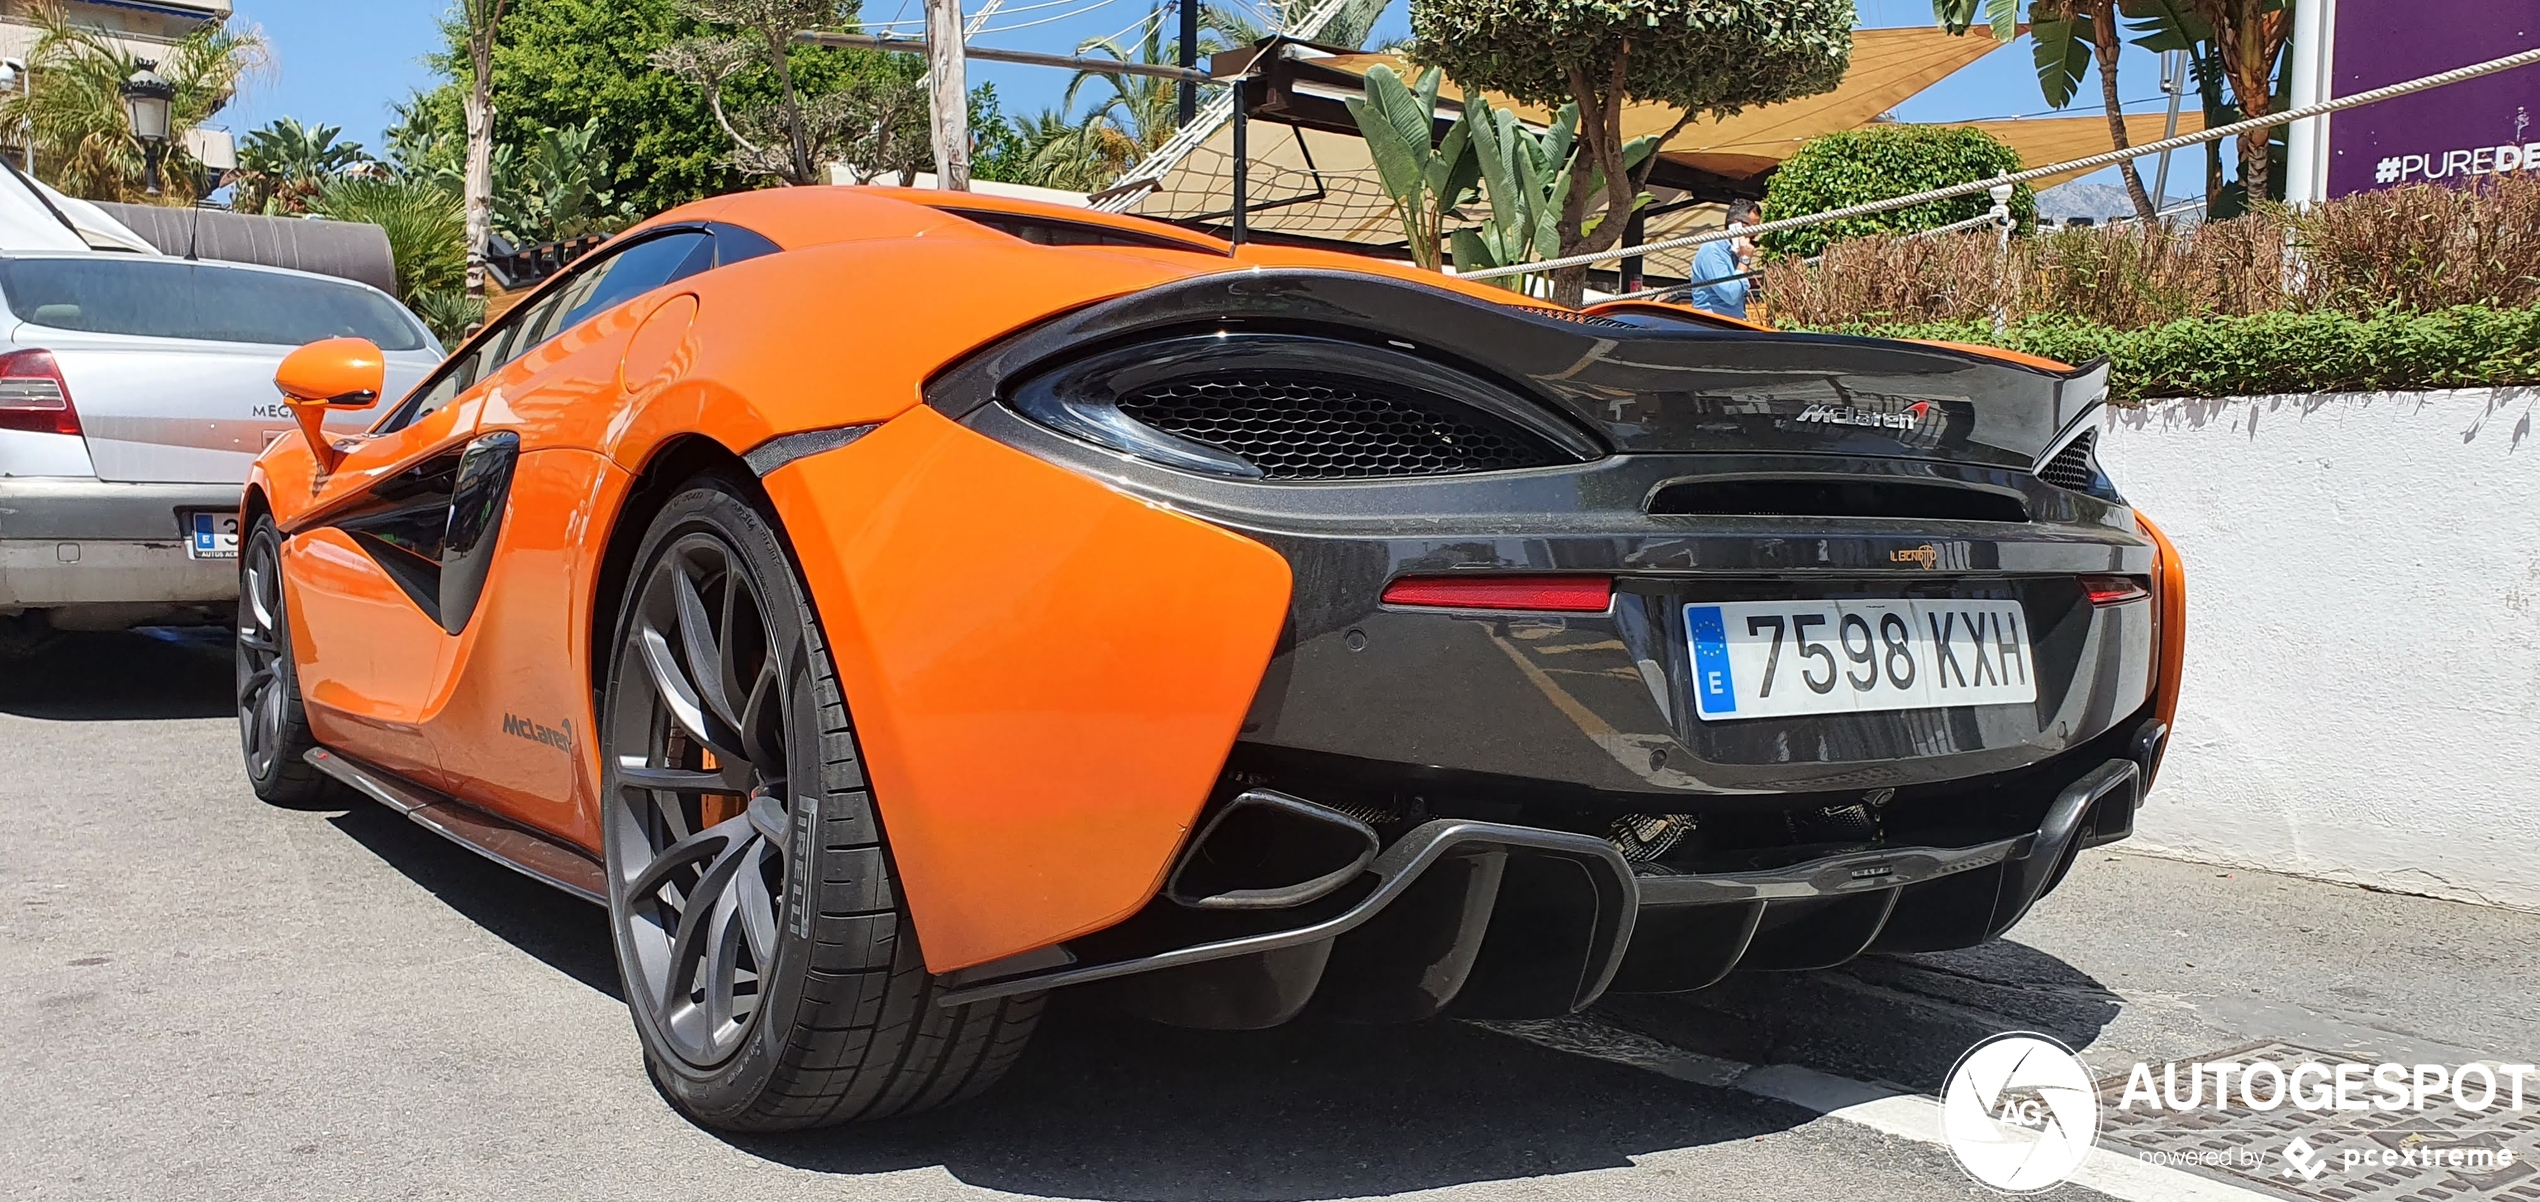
{"x": 765, "y": 691}
{"x": 697, "y": 921}
{"x": 728, "y": 665}
{"x": 681, "y": 700}
{"x": 256, "y": 680}
{"x": 758, "y": 910}
{"x": 256, "y": 594}
{"x": 705, "y": 657}
{"x": 722, "y": 958}
{"x": 715, "y": 842}
{"x": 674, "y": 780}
{"x": 767, "y": 815}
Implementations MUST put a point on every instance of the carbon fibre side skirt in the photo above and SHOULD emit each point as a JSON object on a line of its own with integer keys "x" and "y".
{"x": 513, "y": 846}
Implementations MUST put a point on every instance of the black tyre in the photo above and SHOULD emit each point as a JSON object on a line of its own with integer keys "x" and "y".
{"x": 767, "y": 957}
{"x": 273, "y": 728}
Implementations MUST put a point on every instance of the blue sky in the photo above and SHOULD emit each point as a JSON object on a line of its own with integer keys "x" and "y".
{"x": 345, "y": 62}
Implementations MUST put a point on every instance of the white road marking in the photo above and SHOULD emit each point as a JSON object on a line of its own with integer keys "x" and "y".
{"x": 1877, "y": 1107}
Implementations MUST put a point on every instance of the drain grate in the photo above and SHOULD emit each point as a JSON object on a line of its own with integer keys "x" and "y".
{"x": 2249, "y": 1146}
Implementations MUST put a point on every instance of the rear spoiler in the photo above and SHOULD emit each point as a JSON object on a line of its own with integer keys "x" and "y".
{"x": 1631, "y": 385}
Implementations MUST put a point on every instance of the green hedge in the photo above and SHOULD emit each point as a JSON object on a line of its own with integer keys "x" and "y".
{"x": 2468, "y": 346}
{"x": 1875, "y": 162}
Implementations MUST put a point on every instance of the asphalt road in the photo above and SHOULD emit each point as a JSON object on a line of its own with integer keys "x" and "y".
{"x": 211, "y": 998}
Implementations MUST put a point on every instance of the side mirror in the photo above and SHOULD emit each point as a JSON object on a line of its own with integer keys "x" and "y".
{"x": 338, "y": 373}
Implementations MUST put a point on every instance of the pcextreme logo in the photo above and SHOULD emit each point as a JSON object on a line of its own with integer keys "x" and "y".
{"x": 1846, "y": 415}
{"x": 522, "y": 728}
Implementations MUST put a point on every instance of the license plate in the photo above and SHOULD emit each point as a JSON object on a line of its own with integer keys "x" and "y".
{"x": 1774, "y": 659}
{"x": 214, "y": 534}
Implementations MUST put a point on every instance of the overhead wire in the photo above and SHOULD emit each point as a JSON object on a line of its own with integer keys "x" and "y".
{"x": 1097, "y": 5}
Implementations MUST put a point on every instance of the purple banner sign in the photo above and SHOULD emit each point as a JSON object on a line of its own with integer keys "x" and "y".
{"x": 2456, "y": 134}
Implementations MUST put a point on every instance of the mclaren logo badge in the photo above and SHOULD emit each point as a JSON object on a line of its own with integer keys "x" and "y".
{"x": 1845, "y": 415}
{"x": 522, "y": 728}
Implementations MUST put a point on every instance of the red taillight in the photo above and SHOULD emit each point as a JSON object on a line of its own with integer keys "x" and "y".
{"x": 2113, "y": 590}
{"x": 33, "y": 395}
{"x": 1560, "y": 594}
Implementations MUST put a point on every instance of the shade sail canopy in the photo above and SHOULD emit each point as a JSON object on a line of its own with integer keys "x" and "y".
{"x": 2043, "y": 140}
{"x": 1310, "y": 177}
{"x": 1889, "y": 67}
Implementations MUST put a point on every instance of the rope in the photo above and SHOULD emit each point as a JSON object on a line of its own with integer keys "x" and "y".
{"x": 2092, "y": 162}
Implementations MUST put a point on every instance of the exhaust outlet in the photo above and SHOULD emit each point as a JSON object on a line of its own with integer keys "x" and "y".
{"x": 1266, "y": 850}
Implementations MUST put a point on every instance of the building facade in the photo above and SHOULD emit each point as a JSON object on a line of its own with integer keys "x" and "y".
{"x": 146, "y": 28}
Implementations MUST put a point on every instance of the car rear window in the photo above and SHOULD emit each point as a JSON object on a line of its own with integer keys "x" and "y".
{"x": 167, "y": 298}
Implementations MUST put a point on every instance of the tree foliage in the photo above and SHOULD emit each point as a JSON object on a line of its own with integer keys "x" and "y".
{"x": 556, "y": 187}
{"x": 426, "y": 238}
{"x": 1879, "y": 162}
{"x": 1527, "y": 176}
{"x": 2266, "y": 353}
{"x": 873, "y": 118}
{"x": 1425, "y": 176}
{"x": 1704, "y": 57}
{"x": 282, "y": 167}
{"x": 2067, "y": 38}
{"x": 74, "y": 108}
{"x": 568, "y": 63}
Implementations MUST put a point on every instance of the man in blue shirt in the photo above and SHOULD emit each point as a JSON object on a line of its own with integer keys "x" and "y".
{"x": 1716, "y": 260}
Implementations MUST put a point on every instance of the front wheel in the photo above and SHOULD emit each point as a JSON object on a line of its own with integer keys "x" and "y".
{"x": 767, "y": 956}
{"x": 273, "y": 727}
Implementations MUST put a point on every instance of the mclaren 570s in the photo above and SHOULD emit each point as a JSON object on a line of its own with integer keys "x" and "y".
{"x": 894, "y": 606}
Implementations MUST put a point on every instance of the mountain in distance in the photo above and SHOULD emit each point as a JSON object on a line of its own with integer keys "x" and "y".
{"x": 2099, "y": 202}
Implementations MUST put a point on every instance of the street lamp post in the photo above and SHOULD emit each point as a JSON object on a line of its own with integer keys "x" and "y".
{"x": 146, "y": 98}
{"x": 14, "y": 77}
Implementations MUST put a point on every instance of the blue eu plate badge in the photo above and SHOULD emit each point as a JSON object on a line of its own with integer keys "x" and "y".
{"x": 1714, "y": 685}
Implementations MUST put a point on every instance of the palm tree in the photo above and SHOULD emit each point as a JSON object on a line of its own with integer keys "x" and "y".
{"x": 427, "y": 239}
{"x": 2070, "y": 35}
{"x": 73, "y": 108}
{"x": 1142, "y": 108}
{"x": 282, "y": 166}
{"x": 481, "y": 19}
{"x": 1080, "y": 156}
{"x": 2248, "y": 38}
{"x": 1351, "y": 27}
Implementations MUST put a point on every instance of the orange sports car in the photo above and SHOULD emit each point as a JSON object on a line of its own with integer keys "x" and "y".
{"x": 896, "y": 605}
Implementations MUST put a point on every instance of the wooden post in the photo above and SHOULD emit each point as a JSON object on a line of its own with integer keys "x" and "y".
{"x": 948, "y": 95}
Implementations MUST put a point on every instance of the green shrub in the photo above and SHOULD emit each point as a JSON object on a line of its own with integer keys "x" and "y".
{"x": 427, "y": 230}
{"x": 1879, "y": 162}
{"x": 2466, "y": 346}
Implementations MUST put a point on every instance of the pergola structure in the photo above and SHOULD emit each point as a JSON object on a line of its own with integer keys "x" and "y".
{"x": 1310, "y": 179}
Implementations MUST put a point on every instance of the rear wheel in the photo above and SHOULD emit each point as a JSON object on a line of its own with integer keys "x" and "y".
{"x": 273, "y": 727}
{"x": 766, "y": 953}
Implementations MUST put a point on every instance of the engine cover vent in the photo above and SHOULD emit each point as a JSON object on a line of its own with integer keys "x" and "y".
{"x": 1300, "y": 428}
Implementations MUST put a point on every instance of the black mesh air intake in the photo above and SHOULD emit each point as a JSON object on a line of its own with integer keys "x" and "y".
{"x": 1303, "y": 428}
{"x": 1296, "y": 407}
{"x": 2074, "y": 467}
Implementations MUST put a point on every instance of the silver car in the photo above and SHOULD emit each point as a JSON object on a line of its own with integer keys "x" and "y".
{"x": 134, "y": 390}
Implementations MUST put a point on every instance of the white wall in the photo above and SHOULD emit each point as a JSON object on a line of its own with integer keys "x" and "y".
{"x": 2362, "y": 700}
